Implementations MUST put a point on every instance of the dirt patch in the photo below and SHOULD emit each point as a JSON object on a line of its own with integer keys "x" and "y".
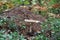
{"x": 19, "y": 14}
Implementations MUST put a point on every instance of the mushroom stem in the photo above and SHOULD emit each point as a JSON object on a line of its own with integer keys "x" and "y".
{"x": 30, "y": 20}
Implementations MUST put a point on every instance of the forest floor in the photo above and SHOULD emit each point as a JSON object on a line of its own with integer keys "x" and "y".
{"x": 27, "y": 28}
{"x": 19, "y": 14}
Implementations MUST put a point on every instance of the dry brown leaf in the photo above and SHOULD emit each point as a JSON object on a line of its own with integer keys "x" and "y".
{"x": 39, "y": 7}
{"x": 10, "y": 5}
{"x": 56, "y": 5}
{"x": 1, "y": 3}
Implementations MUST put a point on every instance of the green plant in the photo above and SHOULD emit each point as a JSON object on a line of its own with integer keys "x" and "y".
{"x": 41, "y": 36}
{"x": 55, "y": 10}
{"x": 11, "y": 36}
{"x": 52, "y": 24}
{"x": 3, "y": 21}
{"x": 23, "y": 27}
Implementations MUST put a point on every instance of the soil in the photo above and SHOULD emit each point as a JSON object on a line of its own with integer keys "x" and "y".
{"x": 19, "y": 14}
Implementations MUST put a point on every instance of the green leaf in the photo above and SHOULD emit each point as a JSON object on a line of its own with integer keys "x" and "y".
{"x": 26, "y": 2}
